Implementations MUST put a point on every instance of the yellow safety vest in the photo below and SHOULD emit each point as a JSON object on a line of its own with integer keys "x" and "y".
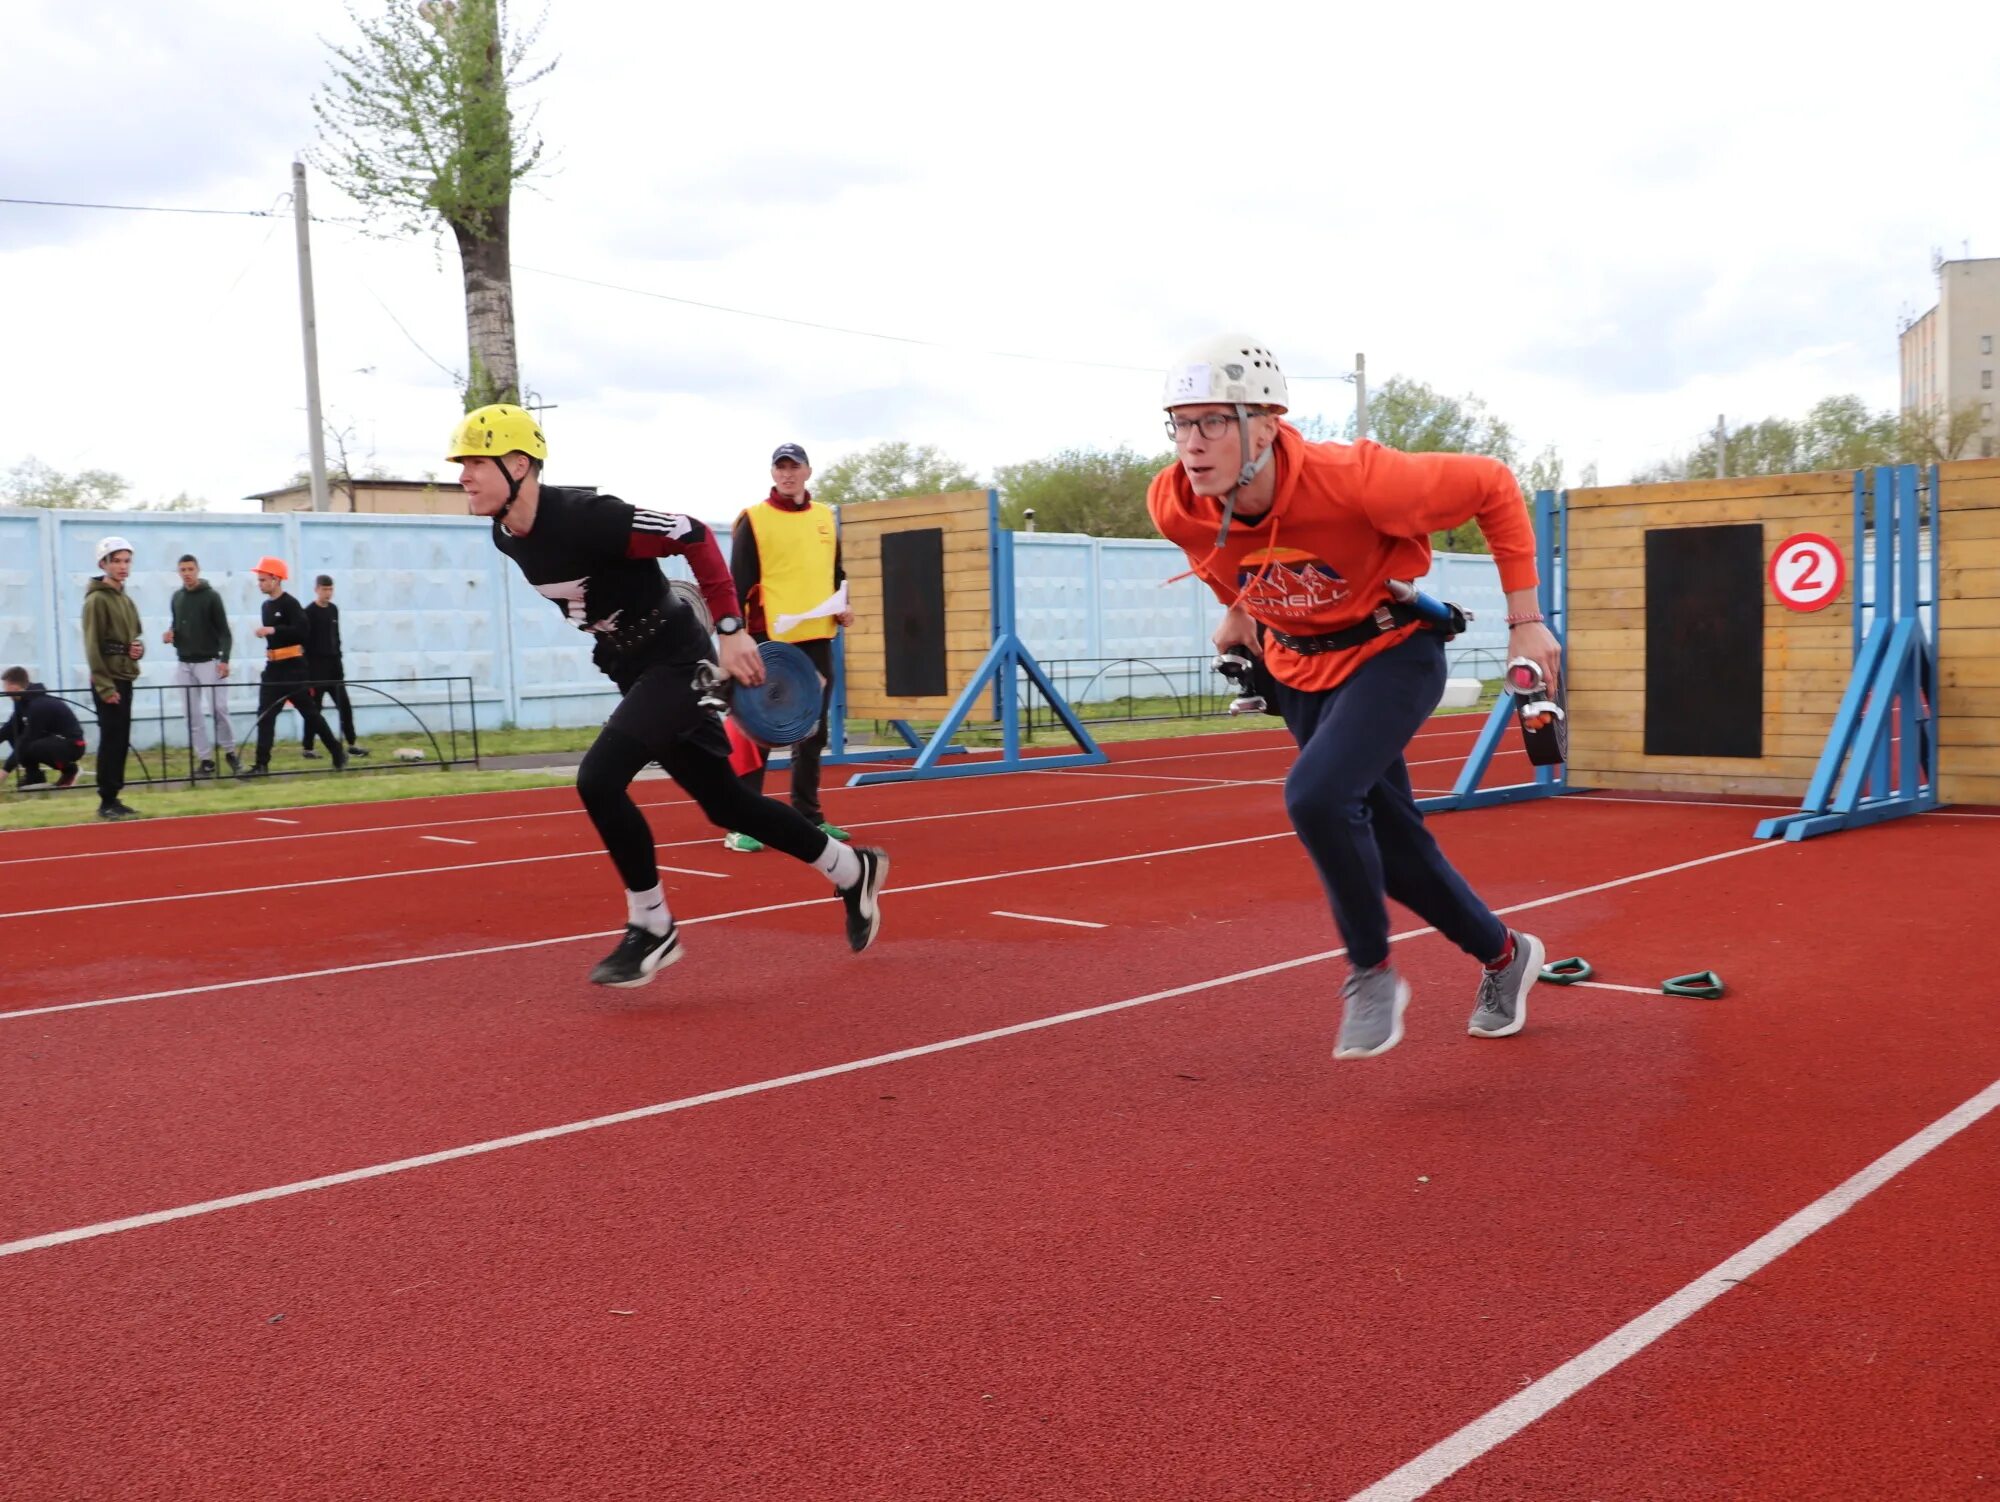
{"x": 795, "y": 552}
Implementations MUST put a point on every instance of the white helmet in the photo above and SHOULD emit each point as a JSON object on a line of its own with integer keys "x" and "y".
{"x": 1227, "y": 368}
{"x": 111, "y": 545}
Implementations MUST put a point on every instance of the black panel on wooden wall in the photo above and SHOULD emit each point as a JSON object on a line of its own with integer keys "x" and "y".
{"x": 913, "y": 612}
{"x": 1705, "y": 641}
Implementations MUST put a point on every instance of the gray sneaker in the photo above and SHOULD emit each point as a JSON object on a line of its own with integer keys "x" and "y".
{"x": 1503, "y": 994}
{"x": 1371, "y": 1020}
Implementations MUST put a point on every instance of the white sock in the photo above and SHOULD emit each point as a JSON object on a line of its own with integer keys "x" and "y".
{"x": 648, "y": 910}
{"x": 839, "y": 864}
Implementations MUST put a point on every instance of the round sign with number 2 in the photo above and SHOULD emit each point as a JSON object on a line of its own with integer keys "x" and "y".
{"x": 1807, "y": 571}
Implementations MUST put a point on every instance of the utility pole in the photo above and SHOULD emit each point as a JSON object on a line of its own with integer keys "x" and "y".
{"x": 1721, "y": 447}
{"x": 1360, "y": 397}
{"x": 309, "y": 325}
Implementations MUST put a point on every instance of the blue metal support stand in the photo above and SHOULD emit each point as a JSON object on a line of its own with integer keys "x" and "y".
{"x": 1551, "y": 542}
{"x": 1881, "y": 757}
{"x": 998, "y": 673}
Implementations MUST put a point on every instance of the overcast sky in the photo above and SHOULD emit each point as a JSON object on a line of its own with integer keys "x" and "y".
{"x": 1611, "y": 225}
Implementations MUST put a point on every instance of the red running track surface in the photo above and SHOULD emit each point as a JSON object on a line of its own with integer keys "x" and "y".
{"x": 1170, "y": 1251}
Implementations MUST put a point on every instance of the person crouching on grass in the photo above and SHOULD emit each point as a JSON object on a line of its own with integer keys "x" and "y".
{"x": 596, "y": 559}
{"x": 1301, "y": 542}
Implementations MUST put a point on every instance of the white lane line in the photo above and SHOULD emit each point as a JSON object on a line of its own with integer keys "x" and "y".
{"x": 1101, "y": 773}
{"x": 747, "y": 912}
{"x": 560, "y": 813}
{"x": 544, "y": 1134}
{"x": 574, "y": 855}
{"x": 690, "y": 871}
{"x": 263, "y": 819}
{"x": 1605, "y": 985}
{"x": 445, "y": 839}
{"x": 1038, "y": 918}
{"x": 1455, "y": 1452}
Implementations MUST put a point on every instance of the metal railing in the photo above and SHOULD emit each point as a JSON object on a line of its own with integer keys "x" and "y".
{"x": 440, "y": 712}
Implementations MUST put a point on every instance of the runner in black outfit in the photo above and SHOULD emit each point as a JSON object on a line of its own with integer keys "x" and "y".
{"x": 595, "y": 557}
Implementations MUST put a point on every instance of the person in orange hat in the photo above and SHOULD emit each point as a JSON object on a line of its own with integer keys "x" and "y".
{"x": 285, "y": 671}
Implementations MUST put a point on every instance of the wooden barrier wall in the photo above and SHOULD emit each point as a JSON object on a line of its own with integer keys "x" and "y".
{"x": 965, "y": 518}
{"x": 1968, "y": 622}
{"x": 1807, "y": 657}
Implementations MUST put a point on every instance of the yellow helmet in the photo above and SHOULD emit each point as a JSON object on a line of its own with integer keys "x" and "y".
{"x": 493, "y": 431}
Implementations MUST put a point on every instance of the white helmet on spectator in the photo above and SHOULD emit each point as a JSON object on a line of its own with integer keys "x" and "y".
{"x": 1237, "y": 368}
{"x": 110, "y": 545}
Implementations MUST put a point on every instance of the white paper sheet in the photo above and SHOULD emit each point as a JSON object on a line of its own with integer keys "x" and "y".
{"x": 834, "y": 604}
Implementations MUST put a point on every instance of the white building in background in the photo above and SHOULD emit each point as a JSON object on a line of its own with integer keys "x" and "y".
{"x": 1948, "y": 355}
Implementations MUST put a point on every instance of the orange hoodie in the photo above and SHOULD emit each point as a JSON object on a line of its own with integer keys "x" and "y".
{"x": 1347, "y": 518}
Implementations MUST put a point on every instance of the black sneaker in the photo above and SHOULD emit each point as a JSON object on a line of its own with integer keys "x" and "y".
{"x": 639, "y": 956}
{"x": 206, "y": 769}
{"x": 309, "y": 754}
{"x": 357, "y": 750}
{"x": 864, "y": 909}
{"x": 258, "y": 770}
{"x": 235, "y": 763}
{"x": 116, "y": 810}
{"x": 340, "y": 761}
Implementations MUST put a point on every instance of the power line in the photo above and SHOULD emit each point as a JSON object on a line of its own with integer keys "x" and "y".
{"x": 154, "y": 208}
{"x": 139, "y": 208}
{"x": 835, "y": 328}
{"x": 689, "y": 302}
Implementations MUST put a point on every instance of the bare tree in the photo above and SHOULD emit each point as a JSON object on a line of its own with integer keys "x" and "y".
{"x": 417, "y": 126}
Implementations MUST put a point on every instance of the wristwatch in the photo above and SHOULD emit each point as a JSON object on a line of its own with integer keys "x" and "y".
{"x": 728, "y": 625}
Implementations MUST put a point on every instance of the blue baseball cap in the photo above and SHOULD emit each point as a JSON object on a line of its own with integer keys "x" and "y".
{"x": 790, "y": 451}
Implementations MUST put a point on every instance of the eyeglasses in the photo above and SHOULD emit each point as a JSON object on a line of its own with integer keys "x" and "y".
{"x": 1212, "y": 424}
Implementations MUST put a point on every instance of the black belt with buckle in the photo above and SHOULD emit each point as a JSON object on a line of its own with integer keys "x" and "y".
{"x": 1390, "y": 615}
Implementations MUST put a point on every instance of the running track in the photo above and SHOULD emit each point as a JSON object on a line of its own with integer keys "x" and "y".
{"x": 312, "y": 1194}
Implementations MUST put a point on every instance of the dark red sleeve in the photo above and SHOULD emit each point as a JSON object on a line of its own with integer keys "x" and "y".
{"x": 663, "y": 534}
{"x": 712, "y": 574}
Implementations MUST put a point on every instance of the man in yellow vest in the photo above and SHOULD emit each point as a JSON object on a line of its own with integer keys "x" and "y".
{"x": 785, "y": 556}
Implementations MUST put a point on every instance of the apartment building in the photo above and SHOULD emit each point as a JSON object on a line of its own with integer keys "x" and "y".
{"x": 1948, "y": 357}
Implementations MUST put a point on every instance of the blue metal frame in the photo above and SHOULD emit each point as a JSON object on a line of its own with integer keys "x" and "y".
{"x": 997, "y": 672}
{"x": 1551, "y": 524}
{"x": 1881, "y": 756}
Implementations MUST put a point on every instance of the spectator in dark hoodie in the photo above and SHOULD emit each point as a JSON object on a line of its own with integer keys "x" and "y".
{"x": 111, "y": 643}
{"x": 323, "y": 665}
{"x": 42, "y": 732}
{"x": 200, "y": 639}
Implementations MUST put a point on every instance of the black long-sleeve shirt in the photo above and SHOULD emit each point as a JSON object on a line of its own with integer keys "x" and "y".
{"x": 323, "y": 632}
{"x": 287, "y": 620}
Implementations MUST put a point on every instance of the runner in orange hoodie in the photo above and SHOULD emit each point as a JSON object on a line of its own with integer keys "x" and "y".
{"x": 1302, "y": 542}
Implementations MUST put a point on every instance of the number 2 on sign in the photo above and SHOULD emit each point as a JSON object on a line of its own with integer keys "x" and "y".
{"x": 1807, "y": 571}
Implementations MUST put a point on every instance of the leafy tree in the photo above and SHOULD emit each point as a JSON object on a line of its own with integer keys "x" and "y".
{"x": 891, "y": 469}
{"x": 1418, "y": 419}
{"x": 418, "y": 128}
{"x": 1086, "y": 490}
{"x": 33, "y": 483}
{"x": 1935, "y": 435}
{"x": 1840, "y": 432}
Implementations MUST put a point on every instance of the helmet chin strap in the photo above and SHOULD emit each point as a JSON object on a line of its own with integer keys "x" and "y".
{"x": 513, "y": 487}
{"x": 1250, "y": 470}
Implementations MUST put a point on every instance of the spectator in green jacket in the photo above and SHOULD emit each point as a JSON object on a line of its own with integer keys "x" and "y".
{"x": 200, "y": 639}
{"x": 112, "y": 645}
